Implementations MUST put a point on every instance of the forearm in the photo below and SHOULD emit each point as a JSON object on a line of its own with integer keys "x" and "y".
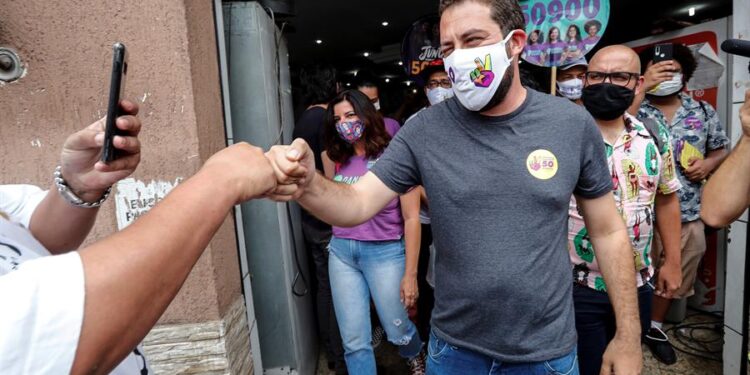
{"x": 615, "y": 257}
{"x": 727, "y": 193}
{"x": 413, "y": 238}
{"x": 341, "y": 204}
{"x": 668, "y": 223}
{"x": 58, "y": 225}
{"x": 132, "y": 276}
{"x": 714, "y": 158}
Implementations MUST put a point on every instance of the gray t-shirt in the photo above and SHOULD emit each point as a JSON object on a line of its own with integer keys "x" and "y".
{"x": 499, "y": 191}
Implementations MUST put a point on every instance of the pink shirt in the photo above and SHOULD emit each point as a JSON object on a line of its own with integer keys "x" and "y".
{"x": 637, "y": 170}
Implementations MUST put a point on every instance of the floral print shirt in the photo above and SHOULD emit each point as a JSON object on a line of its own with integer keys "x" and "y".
{"x": 696, "y": 123}
{"x": 638, "y": 169}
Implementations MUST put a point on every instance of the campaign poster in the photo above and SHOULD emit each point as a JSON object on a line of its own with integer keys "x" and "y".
{"x": 421, "y": 47}
{"x": 560, "y": 32}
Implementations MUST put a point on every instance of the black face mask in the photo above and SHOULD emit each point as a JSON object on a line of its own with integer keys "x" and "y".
{"x": 607, "y": 101}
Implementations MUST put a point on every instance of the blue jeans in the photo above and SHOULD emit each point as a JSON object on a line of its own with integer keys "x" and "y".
{"x": 446, "y": 359}
{"x": 359, "y": 270}
{"x": 595, "y": 323}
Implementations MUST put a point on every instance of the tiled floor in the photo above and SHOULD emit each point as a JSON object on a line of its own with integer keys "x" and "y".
{"x": 703, "y": 327}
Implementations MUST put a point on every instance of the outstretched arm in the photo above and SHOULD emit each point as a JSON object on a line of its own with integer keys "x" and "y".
{"x": 132, "y": 276}
{"x": 727, "y": 193}
{"x": 335, "y": 203}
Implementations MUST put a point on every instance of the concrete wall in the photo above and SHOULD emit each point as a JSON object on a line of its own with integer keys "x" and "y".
{"x": 173, "y": 74}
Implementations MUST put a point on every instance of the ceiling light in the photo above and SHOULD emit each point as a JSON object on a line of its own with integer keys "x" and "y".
{"x": 318, "y": 41}
{"x": 691, "y": 11}
{"x": 408, "y": 83}
{"x": 366, "y": 54}
{"x": 348, "y": 84}
{"x": 414, "y": 91}
{"x": 385, "y": 23}
{"x": 400, "y": 63}
{"x": 387, "y": 80}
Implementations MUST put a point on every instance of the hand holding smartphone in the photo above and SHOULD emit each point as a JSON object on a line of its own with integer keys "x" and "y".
{"x": 116, "y": 88}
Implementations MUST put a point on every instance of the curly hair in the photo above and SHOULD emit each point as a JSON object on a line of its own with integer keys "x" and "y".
{"x": 375, "y": 136}
{"x": 588, "y": 24}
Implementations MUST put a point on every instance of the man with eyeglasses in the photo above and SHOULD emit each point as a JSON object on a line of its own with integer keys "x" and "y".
{"x": 438, "y": 86}
{"x": 699, "y": 143}
{"x": 644, "y": 185}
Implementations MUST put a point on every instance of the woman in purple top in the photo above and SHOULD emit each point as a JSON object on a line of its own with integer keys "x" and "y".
{"x": 573, "y": 45}
{"x": 592, "y": 28}
{"x": 554, "y": 47}
{"x": 378, "y": 258}
{"x": 534, "y": 50}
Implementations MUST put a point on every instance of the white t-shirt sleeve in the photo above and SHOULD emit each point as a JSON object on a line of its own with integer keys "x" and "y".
{"x": 20, "y": 201}
{"x": 41, "y": 315}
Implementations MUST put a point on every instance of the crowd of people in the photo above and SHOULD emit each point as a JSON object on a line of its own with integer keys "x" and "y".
{"x": 447, "y": 234}
{"x": 646, "y": 121}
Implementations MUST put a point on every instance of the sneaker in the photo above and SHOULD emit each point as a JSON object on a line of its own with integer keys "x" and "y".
{"x": 378, "y": 334}
{"x": 658, "y": 342}
{"x": 417, "y": 364}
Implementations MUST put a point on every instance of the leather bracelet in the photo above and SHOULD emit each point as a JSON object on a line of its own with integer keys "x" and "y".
{"x": 64, "y": 189}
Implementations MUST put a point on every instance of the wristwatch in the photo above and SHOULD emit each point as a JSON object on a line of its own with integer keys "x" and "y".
{"x": 71, "y": 197}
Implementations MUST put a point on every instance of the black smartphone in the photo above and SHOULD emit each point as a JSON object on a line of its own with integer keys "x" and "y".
{"x": 116, "y": 88}
{"x": 663, "y": 52}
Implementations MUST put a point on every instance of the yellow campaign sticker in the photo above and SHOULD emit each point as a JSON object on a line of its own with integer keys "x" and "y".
{"x": 542, "y": 164}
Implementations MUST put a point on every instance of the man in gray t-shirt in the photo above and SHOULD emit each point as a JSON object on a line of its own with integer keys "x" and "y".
{"x": 499, "y": 164}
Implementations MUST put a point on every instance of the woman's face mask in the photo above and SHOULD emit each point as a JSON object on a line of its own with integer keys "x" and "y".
{"x": 350, "y": 131}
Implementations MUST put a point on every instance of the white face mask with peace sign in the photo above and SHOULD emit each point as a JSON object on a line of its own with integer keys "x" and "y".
{"x": 476, "y": 73}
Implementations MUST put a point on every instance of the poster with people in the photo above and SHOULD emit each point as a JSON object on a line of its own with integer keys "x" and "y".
{"x": 561, "y": 32}
{"x": 421, "y": 47}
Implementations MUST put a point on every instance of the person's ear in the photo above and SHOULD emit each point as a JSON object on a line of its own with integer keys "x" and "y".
{"x": 639, "y": 85}
{"x": 517, "y": 42}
